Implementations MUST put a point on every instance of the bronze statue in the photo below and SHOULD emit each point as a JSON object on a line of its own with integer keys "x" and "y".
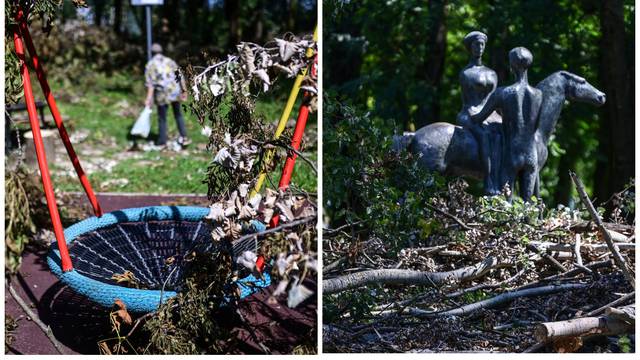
{"x": 529, "y": 117}
{"x": 478, "y": 82}
{"x": 520, "y": 106}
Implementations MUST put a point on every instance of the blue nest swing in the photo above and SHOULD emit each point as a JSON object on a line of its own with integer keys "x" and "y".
{"x": 139, "y": 240}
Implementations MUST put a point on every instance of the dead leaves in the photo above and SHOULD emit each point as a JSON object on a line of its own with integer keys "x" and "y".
{"x": 127, "y": 279}
{"x": 119, "y": 344}
{"x": 237, "y": 154}
{"x": 255, "y": 64}
{"x": 567, "y": 344}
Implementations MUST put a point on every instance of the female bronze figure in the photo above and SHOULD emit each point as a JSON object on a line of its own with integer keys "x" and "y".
{"x": 478, "y": 82}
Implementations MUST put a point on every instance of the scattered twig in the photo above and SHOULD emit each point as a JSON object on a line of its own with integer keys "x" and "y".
{"x": 165, "y": 284}
{"x": 616, "y": 302}
{"x": 576, "y": 249}
{"x": 327, "y": 232}
{"x": 617, "y": 257}
{"x": 46, "y": 329}
{"x": 588, "y": 226}
{"x": 453, "y": 217}
{"x": 487, "y": 286}
{"x": 278, "y": 228}
{"x": 138, "y": 321}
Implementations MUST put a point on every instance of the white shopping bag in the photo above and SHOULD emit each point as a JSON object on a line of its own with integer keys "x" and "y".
{"x": 142, "y": 127}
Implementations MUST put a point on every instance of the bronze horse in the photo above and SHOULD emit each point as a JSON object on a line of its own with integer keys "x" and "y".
{"x": 453, "y": 150}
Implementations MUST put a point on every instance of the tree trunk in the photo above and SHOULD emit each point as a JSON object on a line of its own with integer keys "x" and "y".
{"x": 98, "y": 12}
{"x": 429, "y": 111}
{"x": 291, "y": 15}
{"x": 117, "y": 21}
{"x": 232, "y": 12}
{"x": 617, "y": 123}
{"x": 258, "y": 24}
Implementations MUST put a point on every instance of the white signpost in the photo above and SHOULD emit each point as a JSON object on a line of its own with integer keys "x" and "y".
{"x": 147, "y": 7}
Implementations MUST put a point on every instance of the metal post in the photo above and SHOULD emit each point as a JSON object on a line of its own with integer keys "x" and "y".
{"x": 41, "y": 155}
{"x": 44, "y": 84}
{"x": 148, "y": 13}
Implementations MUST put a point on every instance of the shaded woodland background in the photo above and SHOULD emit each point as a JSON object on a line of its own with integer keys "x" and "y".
{"x": 94, "y": 53}
{"x": 108, "y": 36}
{"x": 189, "y": 27}
{"x": 400, "y": 60}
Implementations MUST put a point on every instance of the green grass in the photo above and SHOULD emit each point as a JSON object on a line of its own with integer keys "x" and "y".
{"x": 109, "y": 108}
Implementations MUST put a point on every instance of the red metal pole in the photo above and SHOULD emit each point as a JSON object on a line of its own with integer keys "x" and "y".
{"x": 301, "y": 123}
{"x": 41, "y": 155}
{"x": 56, "y": 114}
{"x": 287, "y": 170}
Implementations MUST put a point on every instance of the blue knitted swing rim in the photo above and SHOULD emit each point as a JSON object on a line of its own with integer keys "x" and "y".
{"x": 136, "y": 300}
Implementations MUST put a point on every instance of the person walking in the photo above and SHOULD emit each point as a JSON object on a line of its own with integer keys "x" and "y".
{"x": 164, "y": 88}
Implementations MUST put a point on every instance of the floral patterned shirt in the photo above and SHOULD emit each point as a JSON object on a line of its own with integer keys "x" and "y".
{"x": 160, "y": 73}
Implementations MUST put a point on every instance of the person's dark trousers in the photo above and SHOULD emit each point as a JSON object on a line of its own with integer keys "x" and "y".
{"x": 162, "y": 122}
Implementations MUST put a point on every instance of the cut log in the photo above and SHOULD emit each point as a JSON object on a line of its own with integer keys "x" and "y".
{"x": 603, "y": 325}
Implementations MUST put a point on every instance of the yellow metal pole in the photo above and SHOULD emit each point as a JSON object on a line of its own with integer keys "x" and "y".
{"x": 285, "y": 116}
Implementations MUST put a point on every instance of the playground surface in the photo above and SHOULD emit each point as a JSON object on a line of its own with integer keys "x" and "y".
{"x": 79, "y": 324}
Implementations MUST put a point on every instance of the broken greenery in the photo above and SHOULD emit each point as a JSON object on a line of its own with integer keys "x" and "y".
{"x": 42, "y": 11}
{"x": 225, "y": 95}
{"x": 385, "y": 212}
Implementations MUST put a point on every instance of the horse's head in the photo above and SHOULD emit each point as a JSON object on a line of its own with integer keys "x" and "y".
{"x": 578, "y": 89}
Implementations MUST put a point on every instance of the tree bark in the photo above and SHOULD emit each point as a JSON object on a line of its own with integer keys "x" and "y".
{"x": 402, "y": 276}
{"x": 98, "y": 12}
{"x": 429, "y": 111}
{"x": 498, "y": 300}
{"x": 291, "y": 15}
{"x": 232, "y": 12}
{"x": 617, "y": 123}
{"x": 604, "y": 325}
{"x": 117, "y": 21}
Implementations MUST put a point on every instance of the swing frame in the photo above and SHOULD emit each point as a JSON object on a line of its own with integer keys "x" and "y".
{"x": 59, "y": 259}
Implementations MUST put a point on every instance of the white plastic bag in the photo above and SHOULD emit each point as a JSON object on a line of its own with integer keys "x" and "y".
{"x": 142, "y": 127}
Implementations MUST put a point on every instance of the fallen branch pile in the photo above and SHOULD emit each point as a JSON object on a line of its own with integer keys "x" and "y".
{"x": 483, "y": 275}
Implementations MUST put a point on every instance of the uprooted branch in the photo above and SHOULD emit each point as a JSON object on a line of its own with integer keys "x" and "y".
{"x": 401, "y": 276}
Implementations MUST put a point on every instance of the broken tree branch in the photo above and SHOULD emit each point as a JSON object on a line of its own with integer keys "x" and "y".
{"x": 616, "y": 302}
{"x": 588, "y": 226}
{"x": 498, "y": 300}
{"x": 401, "y": 276}
{"x": 452, "y": 217}
{"x": 617, "y": 257}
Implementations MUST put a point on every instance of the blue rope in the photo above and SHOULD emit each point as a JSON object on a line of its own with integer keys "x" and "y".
{"x": 136, "y": 300}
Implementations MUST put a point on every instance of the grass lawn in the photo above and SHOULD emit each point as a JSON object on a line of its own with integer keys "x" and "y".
{"x": 105, "y": 114}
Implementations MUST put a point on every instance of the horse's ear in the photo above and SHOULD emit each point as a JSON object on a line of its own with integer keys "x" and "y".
{"x": 573, "y": 77}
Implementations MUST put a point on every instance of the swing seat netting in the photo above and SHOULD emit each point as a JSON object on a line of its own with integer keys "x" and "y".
{"x": 139, "y": 240}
